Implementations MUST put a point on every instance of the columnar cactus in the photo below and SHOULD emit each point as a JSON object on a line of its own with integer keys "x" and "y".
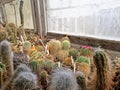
{"x": 81, "y": 80}
{"x": 54, "y": 46}
{"x": 25, "y": 81}
{"x": 103, "y": 74}
{"x": 6, "y": 53}
{"x": 65, "y": 45}
{"x": 63, "y": 80}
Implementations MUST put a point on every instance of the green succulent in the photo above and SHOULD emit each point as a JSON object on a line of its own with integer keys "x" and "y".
{"x": 83, "y": 59}
{"x": 27, "y": 45}
{"x": 73, "y": 52}
{"x": 65, "y": 45}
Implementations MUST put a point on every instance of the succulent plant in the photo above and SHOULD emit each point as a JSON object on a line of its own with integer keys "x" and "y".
{"x": 81, "y": 80}
{"x": 25, "y": 81}
{"x": 27, "y": 47}
{"x": 3, "y": 35}
{"x": 65, "y": 38}
{"x": 83, "y": 67}
{"x": 34, "y": 65}
{"x": 73, "y": 52}
{"x": 65, "y": 45}
{"x": 63, "y": 80}
{"x": 62, "y": 54}
{"x": 40, "y": 48}
{"x": 54, "y": 46}
{"x": 48, "y": 66}
{"x": 12, "y": 32}
{"x": 83, "y": 59}
{"x": 68, "y": 61}
{"x": 6, "y": 54}
{"x": 102, "y": 79}
{"x": 20, "y": 69}
{"x": 43, "y": 79}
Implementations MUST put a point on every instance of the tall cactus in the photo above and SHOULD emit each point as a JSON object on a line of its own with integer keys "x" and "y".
{"x": 6, "y": 53}
{"x": 63, "y": 80}
{"x": 25, "y": 81}
{"x": 102, "y": 79}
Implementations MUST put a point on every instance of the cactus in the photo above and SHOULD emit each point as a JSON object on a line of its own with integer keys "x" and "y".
{"x": 25, "y": 81}
{"x": 65, "y": 38}
{"x": 40, "y": 48}
{"x": 63, "y": 80}
{"x": 12, "y": 32}
{"x": 3, "y": 35}
{"x": 21, "y": 68}
{"x": 73, "y": 52}
{"x": 81, "y": 80}
{"x": 83, "y": 59}
{"x": 34, "y": 65}
{"x": 102, "y": 79}
{"x": 83, "y": 67}
{"x": 27, "y": 47}
{"x": 54, "y": 46}
{"x": 48, "y": 66}
{"x": 43, "y": 79}
{"x": 65, "y": 45}
{"x": 62, "y": 54}
{"x": 68, "y": 61}
{"x": 6, "y": 53}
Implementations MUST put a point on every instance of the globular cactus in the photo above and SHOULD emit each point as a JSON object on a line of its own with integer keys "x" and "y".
{"x": 12, "y": 32}
{"x": 102, "y": 79}
{"x": 43, "y": 79}
{"x": 6, "y": 54}
{"x": 27, "y": 47}
{"x": 34, "y": 65}
{"x": 73, "y": 52}
{"x": 66, "y": 45}
{"x": 54, "y": 46}
{"x": 83, "y": 59}
{"x": 62, "y": 54}
{"x": 40, "y": 48}
{"x": 63, "y": 80}
{"x": 65, "y": 38}
{"x": 25, "y": 81}
{"x": 20, "y": 69}
{"x": 48, "y": 66}
{"x": 81, "y": 80}
{"x": 83, "y": 67}
{"x": 3, "y": 35}
{"x": 68, "y": 61}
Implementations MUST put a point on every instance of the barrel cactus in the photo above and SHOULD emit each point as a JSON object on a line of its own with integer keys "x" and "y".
{"x": 27, "y": 47}
{"x": 81, "y": 80}
{"x": 39, "y": 48}
{"x": 54, "y": 46}
{"x": 62, "y": 54}
{"x": 68, "y": 61}
{"x": 65, "y": 45}
{"x": 102, "y": 79}
{"x": 63, "y": 80}
{"x": 83, "y": 59}
{"x": 6, "y": 53}
{"x": 25, "y": 81}
{"x": 73, "y": 52}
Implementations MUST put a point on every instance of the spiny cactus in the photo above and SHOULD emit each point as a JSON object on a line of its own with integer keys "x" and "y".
{"x": 65, "y": 38}
{"x": 63, "y": 80}
{"x": 68, "y": 61}
{"x": 65, "y": 45}
{"x": 39, "y": 48}
{"x": 83, "y": 59}
{"x": 3, "y": 35}
{"x": 21, "y": 68}
{"x": 83, "y": 67}
{"x": 6, "y": 53}
{"x": 34, "y": 65}
{"x": 81, "y": 80}
{"x": 102, "y": 79}
{"x": 73, "y": 52}
{"x": 12, "y": 32}
{"x": 27, "y": 47}
{"x": 62, "y": 54}
{"x": 54, "y": 46}
{"x": 25, "y": 81}
{"x": 48, "y": 66}
{"x": 43, "y": 79}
